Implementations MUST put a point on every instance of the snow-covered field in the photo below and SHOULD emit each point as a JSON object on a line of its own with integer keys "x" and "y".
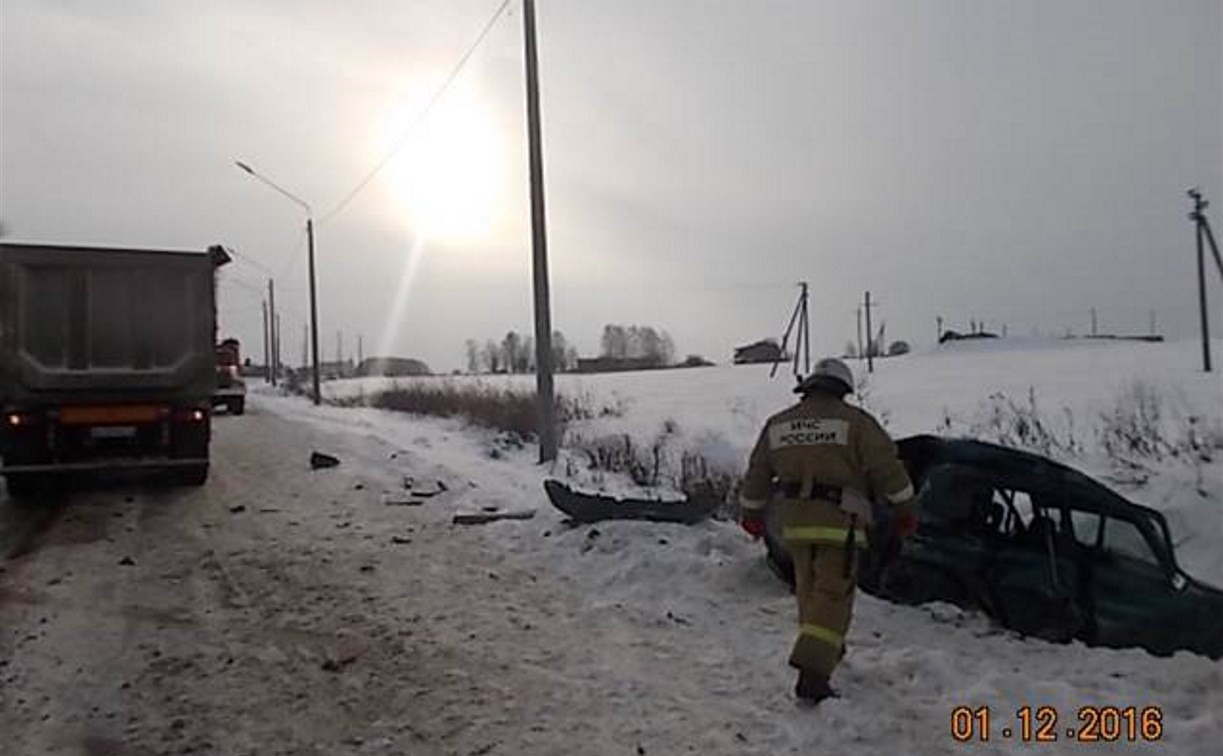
{"x": 703, "y": 626}
{"x": 1074, "y": 384}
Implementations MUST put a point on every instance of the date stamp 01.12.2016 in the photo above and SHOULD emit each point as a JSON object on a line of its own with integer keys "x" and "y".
{"x": 1045, "y": 724}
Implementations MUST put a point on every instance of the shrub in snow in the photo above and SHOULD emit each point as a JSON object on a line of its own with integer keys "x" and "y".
{"x": 499, "y": 408}
{"x": 1023, "y": 426}
{"x": 659, "y": 463}
{"x": 1144, "y": 426}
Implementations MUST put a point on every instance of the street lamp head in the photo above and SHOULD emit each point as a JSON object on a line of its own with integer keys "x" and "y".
{"x": 244, "y": 167}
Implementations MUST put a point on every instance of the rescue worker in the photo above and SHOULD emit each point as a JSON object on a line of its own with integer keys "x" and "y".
{"x": 820, "y": 461}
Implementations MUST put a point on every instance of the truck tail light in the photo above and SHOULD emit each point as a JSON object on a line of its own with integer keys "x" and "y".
{"x": 20, "y": 420}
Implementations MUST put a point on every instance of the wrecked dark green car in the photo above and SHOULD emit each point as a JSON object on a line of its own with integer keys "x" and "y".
{"x": 1040, "y": 547}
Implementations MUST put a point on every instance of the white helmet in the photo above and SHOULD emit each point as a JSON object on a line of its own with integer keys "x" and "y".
{"x": 829, "y": 373}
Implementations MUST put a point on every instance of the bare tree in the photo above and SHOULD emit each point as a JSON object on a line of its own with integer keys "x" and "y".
{"x": 668, "y": 349}
{"x": 473, "y": 356}
{"x": 526, "y": 356}
{"x": 614, "y": 341}
{"x": 559, "y": 352}
{"x": 492, "y": 356}
{"x": 511, "y": 352}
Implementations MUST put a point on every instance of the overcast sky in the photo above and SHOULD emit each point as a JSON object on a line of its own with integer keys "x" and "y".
{"x": 1017, "y": 162}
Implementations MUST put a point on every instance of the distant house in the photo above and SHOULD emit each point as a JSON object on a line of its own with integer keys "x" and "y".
{"x": 392, "y": 367}
{"x": 765, "y": 350}
{"x": 617, "y": 364}
{"x": 950, "y": 335}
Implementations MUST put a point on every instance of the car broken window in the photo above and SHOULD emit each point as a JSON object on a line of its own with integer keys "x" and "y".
{"x": 1123, "y": 539}
{"x": 1086, "y": 527}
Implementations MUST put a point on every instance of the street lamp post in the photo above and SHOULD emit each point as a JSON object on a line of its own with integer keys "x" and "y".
{"x": 310, "y": 252}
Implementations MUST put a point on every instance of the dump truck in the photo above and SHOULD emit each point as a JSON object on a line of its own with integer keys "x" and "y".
{"x": 231, "y": 389}
{"x": 106, "y": 361}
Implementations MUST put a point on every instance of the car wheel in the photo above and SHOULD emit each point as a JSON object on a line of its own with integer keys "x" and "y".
{"x": 236, "y": 406}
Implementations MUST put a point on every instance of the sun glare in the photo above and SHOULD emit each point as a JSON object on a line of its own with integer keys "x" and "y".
{"x": 449, "y": 175}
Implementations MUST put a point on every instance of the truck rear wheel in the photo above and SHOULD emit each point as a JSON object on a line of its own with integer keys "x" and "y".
{"x": 192, "y": 475}
{"x": 236, "y": 406}
{"x": 24, "y": 485}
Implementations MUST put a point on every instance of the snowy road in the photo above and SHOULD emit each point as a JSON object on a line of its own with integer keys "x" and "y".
{"x": 284, "y": 611}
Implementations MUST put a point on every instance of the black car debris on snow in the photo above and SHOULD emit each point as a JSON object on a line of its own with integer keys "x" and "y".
{"x": 1041, "y": 548}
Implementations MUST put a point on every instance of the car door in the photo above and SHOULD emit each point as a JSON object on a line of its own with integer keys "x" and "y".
{"x": 1136, "y": 603}
{"x": 1034, "y": 575}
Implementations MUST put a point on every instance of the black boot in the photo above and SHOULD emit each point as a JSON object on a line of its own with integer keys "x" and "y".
{"x": 813, "y": 687}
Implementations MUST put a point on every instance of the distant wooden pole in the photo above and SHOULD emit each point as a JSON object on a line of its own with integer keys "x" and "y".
{"x": 938, "y": 320}
{"x": 859, "y": 313}
{"x": 545, "y": 401}
{"x": 1202, "y": 305}
{"x": 1199, "y": 219}
{"x": 870, "y": 363}
{"x": 805, "y": 334}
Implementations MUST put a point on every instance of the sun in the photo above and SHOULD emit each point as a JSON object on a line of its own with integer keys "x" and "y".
{"x": 449, "y": 176}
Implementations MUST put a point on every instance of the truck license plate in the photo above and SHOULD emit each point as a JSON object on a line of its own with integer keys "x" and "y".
{"x": 113, "y": 431}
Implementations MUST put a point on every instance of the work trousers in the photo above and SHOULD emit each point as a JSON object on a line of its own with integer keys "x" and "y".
{"x": 824, "y": 586}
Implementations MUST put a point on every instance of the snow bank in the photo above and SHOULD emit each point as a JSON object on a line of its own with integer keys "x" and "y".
{"x": 1073, "y": 385}
{"x": 694, "y": 628}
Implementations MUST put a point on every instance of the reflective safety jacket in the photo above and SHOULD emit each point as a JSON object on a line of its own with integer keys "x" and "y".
{"x": 822, "y": 443}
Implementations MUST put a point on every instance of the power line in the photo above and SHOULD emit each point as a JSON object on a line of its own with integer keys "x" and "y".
{"x": 294, "y": 255}
{"x": 403, "y": 137}
{"x": 242, "y": 258}
{"x": 257, "y": 289}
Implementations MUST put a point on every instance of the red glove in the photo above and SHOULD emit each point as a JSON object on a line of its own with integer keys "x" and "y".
{"x": 904, "y": 521}
{"x": 754, "y": 526}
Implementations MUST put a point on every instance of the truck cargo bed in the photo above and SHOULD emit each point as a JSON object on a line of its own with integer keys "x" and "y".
{"x": 100, "y": 324}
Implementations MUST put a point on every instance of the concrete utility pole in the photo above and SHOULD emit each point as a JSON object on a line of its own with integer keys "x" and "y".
{"x": 310, "y": 253}
{"x": 1093, "y": 322}
{"x": 939, "y": 322}
{"x": 272, "y": 321}
{"x": 545, "y": 402}
{"x": 267, "y": 347}
{"x": 305, "y": 346}
{"x": 276, "y": 355}
{"x": 313, "y": 310}
{"x": 360, "y": 349}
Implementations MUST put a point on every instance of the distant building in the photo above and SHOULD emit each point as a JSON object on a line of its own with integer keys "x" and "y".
{"x": 391, "y": 367}
{"x": 766, "y": 350}
{"x": 950, "y": 335}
